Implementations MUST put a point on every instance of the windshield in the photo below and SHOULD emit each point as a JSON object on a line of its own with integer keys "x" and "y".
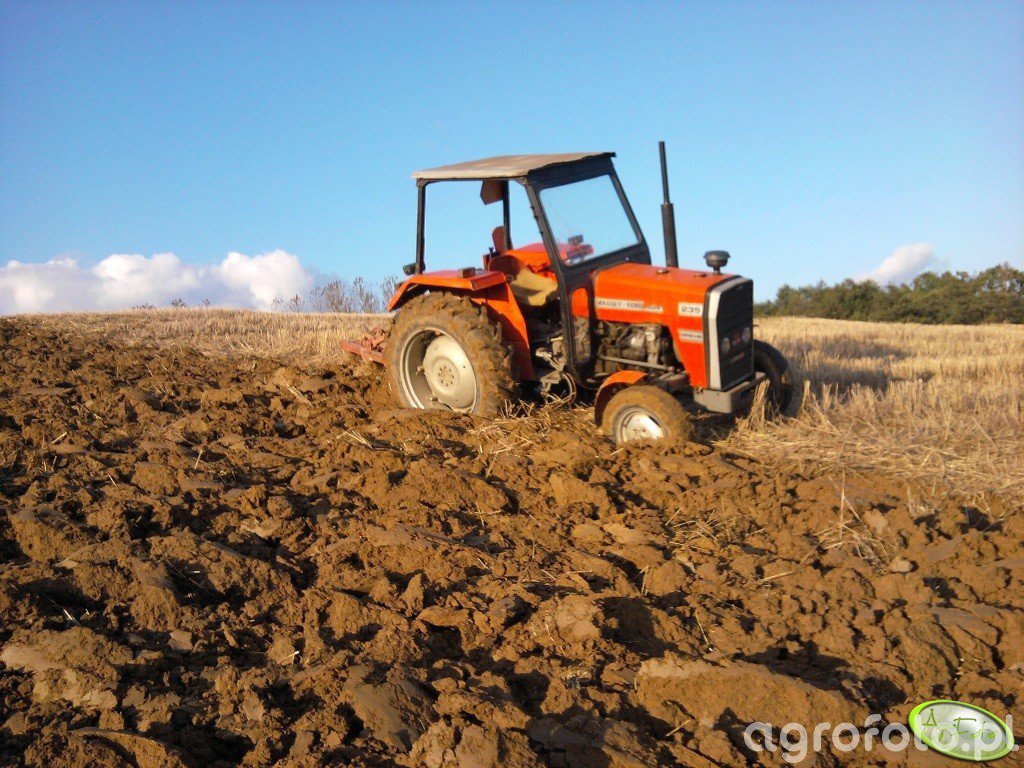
{"x": 587, "y": 219}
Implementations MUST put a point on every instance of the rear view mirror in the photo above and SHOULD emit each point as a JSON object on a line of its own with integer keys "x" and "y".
{"x": 409, "y": 269}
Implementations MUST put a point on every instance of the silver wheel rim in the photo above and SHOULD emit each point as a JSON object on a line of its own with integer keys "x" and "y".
{"x": 636, "y": 423}
{"x": 435, "y": 372}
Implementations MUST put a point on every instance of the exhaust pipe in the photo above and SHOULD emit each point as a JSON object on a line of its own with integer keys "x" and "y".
{"x": 668, "y": 214}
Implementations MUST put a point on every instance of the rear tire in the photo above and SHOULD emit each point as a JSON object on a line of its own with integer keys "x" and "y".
{"x": 644, "y": 412}
{"x": 769, "y": 361}
{"x": 443, "y": 352}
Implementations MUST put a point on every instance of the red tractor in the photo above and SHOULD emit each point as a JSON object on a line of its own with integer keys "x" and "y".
{"x": 581, "y": 312}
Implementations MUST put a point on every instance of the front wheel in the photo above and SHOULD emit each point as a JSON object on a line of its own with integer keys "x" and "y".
{"x": 769, "y": 361}
{"x": 643, "y": 412}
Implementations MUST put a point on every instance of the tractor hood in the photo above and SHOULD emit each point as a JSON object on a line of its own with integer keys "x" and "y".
{"x": 645, "y": 292}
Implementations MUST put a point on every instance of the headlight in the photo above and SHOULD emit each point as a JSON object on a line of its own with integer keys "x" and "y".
{"x": 746, "y": 335}
{"x": 726, "y": 345}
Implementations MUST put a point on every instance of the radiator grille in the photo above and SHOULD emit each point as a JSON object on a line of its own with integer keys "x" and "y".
{"x": 736, "y": 312}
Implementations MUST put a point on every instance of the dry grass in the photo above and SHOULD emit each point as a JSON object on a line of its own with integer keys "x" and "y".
{"x": 942, "y": 406}
{"x": 284, "y": 335}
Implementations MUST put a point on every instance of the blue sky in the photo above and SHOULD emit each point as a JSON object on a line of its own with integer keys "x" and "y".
{"x": 812, "y": 140}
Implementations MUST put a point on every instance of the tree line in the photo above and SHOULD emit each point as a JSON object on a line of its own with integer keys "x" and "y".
{"x": 994, "y": 295}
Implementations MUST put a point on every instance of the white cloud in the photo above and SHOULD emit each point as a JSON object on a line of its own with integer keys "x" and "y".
{"x": 905, "y": 263}
{"x": 269, "y": 276}
{"x": 126, "y": 280}
{"x": 123, "y": 277}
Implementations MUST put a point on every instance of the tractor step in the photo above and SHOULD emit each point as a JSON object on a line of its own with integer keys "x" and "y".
{"x": 370, "y": 348}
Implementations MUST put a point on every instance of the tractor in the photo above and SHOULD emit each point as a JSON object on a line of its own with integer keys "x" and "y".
{"x": 581, "y": 313}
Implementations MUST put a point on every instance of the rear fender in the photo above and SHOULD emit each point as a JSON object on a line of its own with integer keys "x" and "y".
{"x": 459, "y": 280}
{"x": 611, "y": 385}
{"x": 486, "y": 288}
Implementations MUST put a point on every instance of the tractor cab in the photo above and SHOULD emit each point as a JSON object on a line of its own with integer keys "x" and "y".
{"x": 529, "y": 266}
{"x": 584, "y": 222}
{"x": 578, "y": 309}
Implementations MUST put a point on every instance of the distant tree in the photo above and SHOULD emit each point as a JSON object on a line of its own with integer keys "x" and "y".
{"x": 357, "y": 295}
{"x": 995, "y": 295}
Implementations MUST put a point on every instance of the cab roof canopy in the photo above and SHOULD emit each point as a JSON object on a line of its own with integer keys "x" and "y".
{"x": 503, "y": 166}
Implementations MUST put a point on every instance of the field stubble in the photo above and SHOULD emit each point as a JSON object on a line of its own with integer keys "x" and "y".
{"x": 940, "y": 406}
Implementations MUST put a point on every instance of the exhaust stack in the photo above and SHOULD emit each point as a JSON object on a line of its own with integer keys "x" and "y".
{"x": 668, "y": 214}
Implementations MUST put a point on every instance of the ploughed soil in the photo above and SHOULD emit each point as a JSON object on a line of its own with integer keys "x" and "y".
{"x": 240, "y": 561}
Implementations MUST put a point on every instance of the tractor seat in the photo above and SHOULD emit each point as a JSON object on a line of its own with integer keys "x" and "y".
{"x": 532, "y": 290}
{"x": 529, "y": 289}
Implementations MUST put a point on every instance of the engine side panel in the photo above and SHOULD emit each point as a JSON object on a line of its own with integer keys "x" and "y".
{"x": 675, "y": 298}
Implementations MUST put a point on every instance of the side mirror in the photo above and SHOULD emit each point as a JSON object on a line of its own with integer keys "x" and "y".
{"x": 409, "y": 269}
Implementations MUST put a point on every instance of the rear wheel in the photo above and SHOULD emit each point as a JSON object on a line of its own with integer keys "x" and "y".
{"x": 643, "y": 412}
{"x": 443, "y": 352}
{"x": 769, "y": 361}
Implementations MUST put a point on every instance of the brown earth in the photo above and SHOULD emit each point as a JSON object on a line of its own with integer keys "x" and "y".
{"x": 239, "y": 561}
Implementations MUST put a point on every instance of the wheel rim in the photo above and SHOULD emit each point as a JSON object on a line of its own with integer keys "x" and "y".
{"x": 637, "y": 423}
{"x": 436, "y": 372}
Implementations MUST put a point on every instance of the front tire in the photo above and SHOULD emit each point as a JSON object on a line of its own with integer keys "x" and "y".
{"x": 443, "y": 352}
{"x": 769, "y": 361}
{"x": 644, "y": 412}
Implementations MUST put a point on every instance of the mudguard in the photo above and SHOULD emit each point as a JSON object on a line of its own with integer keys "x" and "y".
{"x": 611, "y": 385}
